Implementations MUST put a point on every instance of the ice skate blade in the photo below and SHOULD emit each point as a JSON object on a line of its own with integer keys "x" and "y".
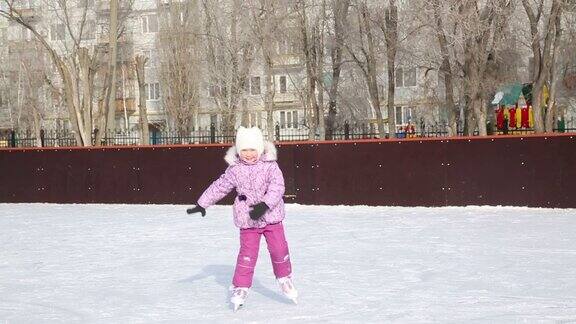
{"x": 237, "y": 307}
{"x": 294, "y": 300}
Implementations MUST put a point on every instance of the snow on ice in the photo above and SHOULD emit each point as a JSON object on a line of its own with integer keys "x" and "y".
{"x": 154, "y": 263}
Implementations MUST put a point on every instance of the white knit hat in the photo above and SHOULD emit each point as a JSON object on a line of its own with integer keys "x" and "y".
{"x": 249, "y": 138}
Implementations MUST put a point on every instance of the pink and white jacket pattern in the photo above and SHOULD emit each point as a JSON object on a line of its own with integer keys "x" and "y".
{"x": 259, "y": 182}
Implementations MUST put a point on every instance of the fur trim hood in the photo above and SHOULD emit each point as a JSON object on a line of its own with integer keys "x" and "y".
{"x": 269, "y": 154}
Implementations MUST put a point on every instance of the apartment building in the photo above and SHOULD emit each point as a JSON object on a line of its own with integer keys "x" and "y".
{"x": 142, "y": 24}
{"x": 4, "y": 110}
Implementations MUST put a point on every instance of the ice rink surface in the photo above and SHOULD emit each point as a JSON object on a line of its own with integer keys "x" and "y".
{"x": 155, "y": 264}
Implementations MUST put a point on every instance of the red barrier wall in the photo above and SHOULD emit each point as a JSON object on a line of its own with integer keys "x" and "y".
{"x": 504, "y": 170}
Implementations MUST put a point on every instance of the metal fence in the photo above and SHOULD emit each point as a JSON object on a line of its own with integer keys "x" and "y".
{"x": 51, "y": 138}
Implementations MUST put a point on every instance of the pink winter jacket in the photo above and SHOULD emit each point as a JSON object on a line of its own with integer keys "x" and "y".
{"x": 259, "y": 182}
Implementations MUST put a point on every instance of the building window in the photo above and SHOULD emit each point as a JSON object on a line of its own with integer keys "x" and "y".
{"x": 255, "y": 85}
{"x": 295, "y": 119}
{"x": 254, "y": 119}
{"x": 223, "y": 89}
{"x": 57, "y": 32}
{"x": 62, "y": 124}
{"x": 89, "y": 30}
{"x": 282, "y": 46}
{"x": 283, "y": 84}
{"x": 24, "y": 33}
{"x": 403, "y": 115}
{"x": 399, "y": 78}
{"x": 20, "y": 4}
{"x": 214, "y": 90}
{"x": 286, "y": 46}
{"x": 246, "y": 85}
{"x": 152, "y": 91}
{"x": 86, "y": 4}
{"x": 150, "y": 55}
{"x": 405, "y": 77}
{"x": 27, "y": 34}
{"x": 149, "y": 24}
{"x": 289, "y": 119}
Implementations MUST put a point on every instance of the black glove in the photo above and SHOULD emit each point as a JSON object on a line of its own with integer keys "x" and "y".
{"x": 197, "y": 209}
{"x": 258, "y": 210}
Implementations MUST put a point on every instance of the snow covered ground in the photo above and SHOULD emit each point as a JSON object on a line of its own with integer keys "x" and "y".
{"x": 155, "y": 264}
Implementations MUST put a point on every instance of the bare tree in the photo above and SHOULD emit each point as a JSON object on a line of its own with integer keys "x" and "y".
{"x": 365, "y": 53}
{"x": 312, "y": 20}
{"x": 230, "y": 52}
{"x": 115, "y": 40}
{"x": 264, "y": 23}
{"x": 75, "y": 60}
{"x": 562, "y": 95}
{"x": 110, "y": 106}
{"x": 139, "y": 64}
{"x": 179, "y": 51}
{"x": 469, "y": 41}
{"x": 480, "y": 40}
{"x": 471, "y": 48}
{"x": 74, "y": 67}
{"x": 545, "y": 32}
{"x": 28, "y": 91}
{"x": 389, "y": 26}
{"x": 340, "y": 10}
{"x": 446, "y": 69}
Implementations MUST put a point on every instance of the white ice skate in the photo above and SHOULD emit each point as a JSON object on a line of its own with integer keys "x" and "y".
{"x": 288, "y": 289}
{"x": 238, "y": 297}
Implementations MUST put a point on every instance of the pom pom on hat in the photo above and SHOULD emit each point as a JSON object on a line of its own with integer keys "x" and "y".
{"x": 249, "y": 138}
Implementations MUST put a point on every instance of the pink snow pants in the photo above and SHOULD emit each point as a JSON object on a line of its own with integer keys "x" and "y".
{"x": 248, "y": 255}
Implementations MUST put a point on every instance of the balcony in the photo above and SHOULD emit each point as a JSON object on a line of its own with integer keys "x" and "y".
{"x": 285, "y": 98}
{"x": 570, "y": 80}
{"x": 287, "y": 60}
{"x": 29, "y": 14}
{"x": 21, "y": 47}
{"x": 130, "y": 105}
{"x": 103, "y": 7}
{"x": 125, "y": 38}
{"x": 167, "y": 3}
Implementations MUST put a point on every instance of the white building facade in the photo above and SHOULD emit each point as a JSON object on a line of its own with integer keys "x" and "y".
{"x": 140, "y": 37}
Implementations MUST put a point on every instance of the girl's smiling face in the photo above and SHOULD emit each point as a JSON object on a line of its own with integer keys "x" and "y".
{"x": 249, "y": 155}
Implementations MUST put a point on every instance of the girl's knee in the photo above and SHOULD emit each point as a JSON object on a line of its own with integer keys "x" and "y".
{"x": 280, "y": 256}
{"x": 247, "y": 260}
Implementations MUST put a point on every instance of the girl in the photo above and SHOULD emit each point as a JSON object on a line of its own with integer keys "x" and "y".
{"x": 258, "y": 210}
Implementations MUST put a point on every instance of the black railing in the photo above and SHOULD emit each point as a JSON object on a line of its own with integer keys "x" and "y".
{"x": 50, "y": 138}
